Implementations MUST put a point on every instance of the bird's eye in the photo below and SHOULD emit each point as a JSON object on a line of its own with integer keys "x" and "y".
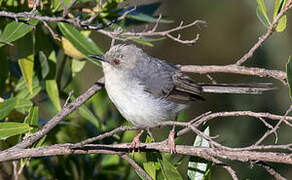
{"x": 116, "y": 62}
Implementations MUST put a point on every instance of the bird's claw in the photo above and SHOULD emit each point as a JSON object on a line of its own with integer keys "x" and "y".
{"x": 171, "y": 142}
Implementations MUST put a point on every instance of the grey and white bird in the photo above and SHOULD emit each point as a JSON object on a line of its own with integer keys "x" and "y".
{"x": 148, "y": 90}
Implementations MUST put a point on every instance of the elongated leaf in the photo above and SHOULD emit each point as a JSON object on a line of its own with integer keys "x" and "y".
{"x": 77, "y": 66}
{"x": 282, "y": 24}
{"x": 150, "y": 168}
{"x": 289, "y": 76}
{"x": 146, "y": 18}
{"x": 53, "y": 92}
{"x": 262, "y": 13}
{"x": 26, "y": 67}
{"x": 87, "y": 114}
{"x": 32, "y": 118}
{"x": 169, "y": 170}
{"x": 23, "y": 105}
{"x": 7, "y": 106}
{"x": 197, "y": 170}
{"x": 14, "y": 31}
{"x": 277, "y": 7}
{"x": 8, "y": 129}
{"x": 82, "y": 43}
{"x": 44, "y": 64}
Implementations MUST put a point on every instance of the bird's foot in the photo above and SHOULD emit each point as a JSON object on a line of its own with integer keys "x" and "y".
{"x": 171, "y": 141}
{"x": 136, "y": 142}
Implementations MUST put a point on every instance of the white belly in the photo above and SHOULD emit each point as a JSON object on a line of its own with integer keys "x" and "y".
{"x": 138, "y": 106}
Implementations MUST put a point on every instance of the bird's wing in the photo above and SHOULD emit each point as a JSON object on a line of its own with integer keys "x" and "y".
{"x": 163, "y": 79}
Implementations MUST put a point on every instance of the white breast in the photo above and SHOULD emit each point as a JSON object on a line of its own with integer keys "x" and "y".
{"x": 136, "y": 105}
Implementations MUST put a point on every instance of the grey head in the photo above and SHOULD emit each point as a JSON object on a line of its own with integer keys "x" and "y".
{"x": 159, "y": 77}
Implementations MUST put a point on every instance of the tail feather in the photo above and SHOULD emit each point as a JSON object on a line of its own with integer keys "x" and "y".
{"x": 256, "y": 88}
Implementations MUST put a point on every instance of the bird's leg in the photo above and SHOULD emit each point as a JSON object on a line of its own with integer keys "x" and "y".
{"x": 136, "y": 141}
{"x": 171, "y": 140}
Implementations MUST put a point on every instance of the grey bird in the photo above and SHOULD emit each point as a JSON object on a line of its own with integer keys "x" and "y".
{"x": 148, "y": 90}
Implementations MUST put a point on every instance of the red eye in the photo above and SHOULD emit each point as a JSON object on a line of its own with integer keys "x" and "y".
{"x": 116, "y": 62}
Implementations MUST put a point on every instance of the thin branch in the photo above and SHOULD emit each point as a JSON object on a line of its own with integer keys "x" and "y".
{"x": 262, "y": 38}
{"x": 136, "y": 166}
{"x": 252, "y": 71}
{"x": 59, "y": 116}
{"x": 271, "y": 171}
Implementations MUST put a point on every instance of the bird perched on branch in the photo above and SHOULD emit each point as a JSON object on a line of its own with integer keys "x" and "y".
{"x": 148, "y": 90}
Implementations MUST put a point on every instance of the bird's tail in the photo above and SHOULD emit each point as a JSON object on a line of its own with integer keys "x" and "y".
{"x": 256, "y": 88}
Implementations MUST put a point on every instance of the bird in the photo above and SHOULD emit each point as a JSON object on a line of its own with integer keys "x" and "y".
{"x": 148, "y": 90}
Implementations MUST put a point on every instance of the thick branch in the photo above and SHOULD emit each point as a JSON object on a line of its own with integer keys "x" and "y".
{"x": 206, "y": 153}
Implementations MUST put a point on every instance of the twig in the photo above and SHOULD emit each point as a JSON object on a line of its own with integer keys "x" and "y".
{"x": 135, "y": 166}
{"x": 271, "y": 171}
{"x": 262, "y": 38}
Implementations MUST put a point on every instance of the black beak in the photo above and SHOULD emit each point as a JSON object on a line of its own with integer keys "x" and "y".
{"x": 99, "y": 57}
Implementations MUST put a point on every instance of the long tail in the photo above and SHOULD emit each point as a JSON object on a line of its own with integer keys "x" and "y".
{"x": 256, "y": 88}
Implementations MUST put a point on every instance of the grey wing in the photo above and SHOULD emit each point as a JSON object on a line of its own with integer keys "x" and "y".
{"x": 163, "y": 79}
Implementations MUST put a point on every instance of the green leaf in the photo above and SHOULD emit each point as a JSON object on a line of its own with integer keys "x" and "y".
{"x": 110, "y": 160}
{"x": 7, "y": 106}
{"x": 23, "y": 105}
{"x": 277, "y": 8}
{"x": 14, "y": 31}
{"x": 26, "y": 67}
{"x": 32, "y": 118}
{"x": 169, "y": 170}
{"x": 146, "y": 18}
{"x": 289, "y": 76}
{"x": 282, "y": 24}
{"x": 44, "y": 64}
{"x": 8, "y": 129}
{"x": 262, "y": 13}
{"x": 197, "y": 170}
{"x": 77, "y": 66}
{"x": 150, "y": 168}
{"x": 87, "y": 114}
{"x": 53, "y": 92}
{"x": 82, "y": 43}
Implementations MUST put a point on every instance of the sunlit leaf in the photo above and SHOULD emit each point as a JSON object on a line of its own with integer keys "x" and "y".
{"x": 8, "y": 129}
{"x": 282, "y": 24}
{"x": 262, "y": 13}
{"x": 14, "y": 31}
{"x": 53, "y": 93}
{"x": 26, "y": 67}
{"x": 289, "y": 76}
{"x": 7, "y": 106}
{"x": 197, "y": 170}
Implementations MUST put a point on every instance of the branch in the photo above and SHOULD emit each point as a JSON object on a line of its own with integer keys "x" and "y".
{"x": 59, "y": 116}
{"x": 136, "y": 166}
{"x": 206, "y": 153}
{"x": 252, "y": 71}
{"x": 262, "y": 38}
{"x": 125, "y": 36}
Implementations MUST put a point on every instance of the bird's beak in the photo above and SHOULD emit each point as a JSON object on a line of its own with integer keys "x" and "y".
{"x": 99, "y": 57}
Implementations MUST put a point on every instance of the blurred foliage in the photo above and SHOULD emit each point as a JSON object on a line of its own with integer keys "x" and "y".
{"x": 37, "y": 73}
